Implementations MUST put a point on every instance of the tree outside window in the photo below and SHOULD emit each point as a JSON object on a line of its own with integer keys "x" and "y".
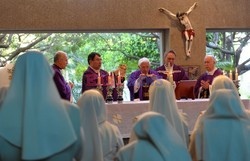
{"x": 232, "y": 51}
{"x": 115, "y": 48}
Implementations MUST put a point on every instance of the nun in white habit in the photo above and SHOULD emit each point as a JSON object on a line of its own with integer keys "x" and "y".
{"x": 156, "y": 140}
{"x": 34, "y": 124}
{"x": 162, "y": 100}
{"x": 223, "y": 82}
{"x": 102, "y": 140}
{"x": 223, "y": 131}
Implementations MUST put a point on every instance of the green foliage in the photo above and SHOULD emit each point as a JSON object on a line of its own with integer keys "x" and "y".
{"x": 218, "y": 41}
{"x": 115, "y": 49}
{"x": 227, "y": 66}
{"x": 227, "y": 47}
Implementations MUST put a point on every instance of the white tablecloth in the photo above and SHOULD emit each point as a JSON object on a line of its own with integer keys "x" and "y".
{"x": 123, "y": 114}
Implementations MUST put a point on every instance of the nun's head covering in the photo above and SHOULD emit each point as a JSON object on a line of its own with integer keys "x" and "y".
{"x": 226, "y": 105}
{"x": 162, "y": 100}
{"x": 223, "y": 82}
{"x": 144, "y": 59}
{"x": 32, "y": 116}
{"x": 156, "y": 129}
{"x": 93, "y": 113}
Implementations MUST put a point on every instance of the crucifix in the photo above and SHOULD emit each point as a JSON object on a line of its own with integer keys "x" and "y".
{"x": 188, "y": 31}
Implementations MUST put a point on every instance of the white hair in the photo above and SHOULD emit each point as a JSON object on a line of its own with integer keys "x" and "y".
{"x": 144, "y": 59}
{"x": 210, "y": 56}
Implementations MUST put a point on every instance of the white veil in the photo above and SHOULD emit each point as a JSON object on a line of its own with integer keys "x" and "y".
{"x": 32, "y": 116}
{"x": 162, "y": 100}
{"x": 93, "y": 112}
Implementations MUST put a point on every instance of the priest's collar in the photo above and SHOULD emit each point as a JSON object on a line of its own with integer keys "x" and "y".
{"x": 96, "y": 71}
{"x": 211, "y": 72}
{"x": 57, "y": 67}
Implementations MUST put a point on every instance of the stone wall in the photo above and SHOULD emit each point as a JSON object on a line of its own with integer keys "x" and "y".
{"x": 110, "y": 15}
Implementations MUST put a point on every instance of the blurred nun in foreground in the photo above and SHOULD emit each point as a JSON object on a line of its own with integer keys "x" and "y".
{"x": 162, "y": 100}
{"x": 156, "y": 140}
{"x": 34, "y": 123}
{"x": 222, "y": 132}
{"x": 102, "y": 139}
{"x": 223, "y": 82}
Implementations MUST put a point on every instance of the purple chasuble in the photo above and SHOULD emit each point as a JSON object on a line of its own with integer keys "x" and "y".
{"x": 206, "y": 77}
{"x": 180, "y": 73}
{"x": 146, "y": 81}
{"x": 62, "y": 86}
{"x": 89, "y": 80}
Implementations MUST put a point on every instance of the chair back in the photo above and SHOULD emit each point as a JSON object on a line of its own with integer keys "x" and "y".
{"x": 185, "y": 89}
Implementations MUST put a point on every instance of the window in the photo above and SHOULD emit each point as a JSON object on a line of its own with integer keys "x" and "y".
{"x": 231, "y": 49}
{"x": 116, "y": 48}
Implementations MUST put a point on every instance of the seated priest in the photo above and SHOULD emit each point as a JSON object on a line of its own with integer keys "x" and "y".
{"x": 140, "y": 80}
{"x": 169, "y": 70}
{"x": 203, "y": 85}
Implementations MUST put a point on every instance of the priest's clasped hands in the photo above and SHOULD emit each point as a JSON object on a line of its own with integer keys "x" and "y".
{"x": 205, "y": 84}
{"x": 142, "y": 76}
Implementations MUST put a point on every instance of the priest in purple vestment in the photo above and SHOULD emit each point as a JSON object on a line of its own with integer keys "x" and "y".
{"x": 64, "y": 88}
{"x": 94, "y": 75}
{"x": 140, "y": 80}
{"x": 203, "y": 84}
{"x": 90, "y": 76}
{"x": 178, "y": 72}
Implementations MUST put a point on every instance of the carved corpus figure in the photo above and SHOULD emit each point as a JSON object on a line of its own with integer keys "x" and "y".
{"x": 188, "y": 31}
